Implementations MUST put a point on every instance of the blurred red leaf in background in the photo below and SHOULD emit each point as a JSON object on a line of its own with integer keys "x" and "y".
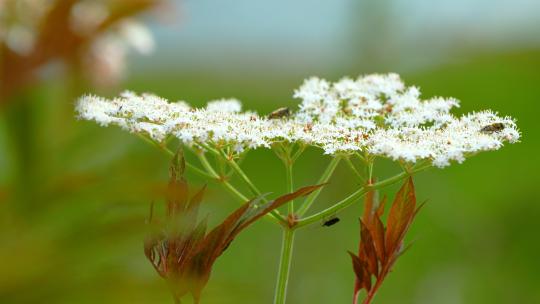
{"x": 181, "y": 250}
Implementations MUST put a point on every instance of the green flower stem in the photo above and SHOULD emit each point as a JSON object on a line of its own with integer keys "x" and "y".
{"x": 298, "y": 152}
{"x": 354, "y": 170}
{"x": 274, "y": 213}
{"x": 324, "y": 179}
{"x": 241, "y": 173}
{"x": 276, "y": 217}
{"x": 171, "y": 154}
{"x": 288, "y": 239}
{"x": 369, "y": 169}
{"x": 231, "y": 171}
{"x": 360, "y": 157}
{"x": 226, "y": 184}
{"x": 284, "y": 265}
{"x": 290, "y": 185}
{"x": 351, "y": 199}
{"x": 206, "y": 164}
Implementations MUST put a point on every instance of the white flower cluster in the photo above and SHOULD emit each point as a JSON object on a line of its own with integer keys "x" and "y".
{"x": 375, "y": 114}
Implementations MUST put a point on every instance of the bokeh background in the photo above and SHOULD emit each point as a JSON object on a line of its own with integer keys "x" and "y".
{"x": 74, "y": 196}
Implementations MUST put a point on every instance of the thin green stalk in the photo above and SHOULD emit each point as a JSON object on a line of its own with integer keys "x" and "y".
{"x": 274, "y": 213}
{"x": 290, "y": 185}
{"x": 361, "y": 157}
{"x": 242, "y": 174}
{"x": 354, "y": 170}
{"x": 346, "y": 202}
{"x": 284, "y": 265}
{"x": 323, "y": 179}
{"x": 206, "y": 164}
{"x": 298, "y": 152}
{"x": 369, "y": 170}
{"x": 238, "y": 162}
{"x": 276, "y": 217}
{"x": 351, "y": 199}
{"x": 288, "y": 238}
{"x": 171, "y": 154}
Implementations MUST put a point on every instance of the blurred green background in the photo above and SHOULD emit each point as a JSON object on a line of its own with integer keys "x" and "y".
{"x": 74, "y": 196}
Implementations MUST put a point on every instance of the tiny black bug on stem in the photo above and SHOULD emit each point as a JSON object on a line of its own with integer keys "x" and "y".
{"x": 331, "y": 222}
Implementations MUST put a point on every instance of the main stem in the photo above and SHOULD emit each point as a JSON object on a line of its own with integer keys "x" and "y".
{"x": 290, "y": 186}
{"x": 284, "y": 265}
{"x": 288, "y": 239}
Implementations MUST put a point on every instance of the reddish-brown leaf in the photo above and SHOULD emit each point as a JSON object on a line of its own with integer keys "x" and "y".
{"x": 278, "y": 202}
{"x": 419, "y": 207}
{"x": 220, "y": 236}
{"x": 371, "y": 219}
{"x": 194, "y": 203}
{"x": 380, "y": 208}
{"x": 377, "y": 233}
{"x": 380, "y": 245}
{"x": 400, "y": 249}
{"x": 363, "y": 279}
{"x": 400, "y": 216}
{"x": 367, "y": 251}
{"x": 183, "y": 254}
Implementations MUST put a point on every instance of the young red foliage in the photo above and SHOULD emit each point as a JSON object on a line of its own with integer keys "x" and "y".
{"x": 379, "y": 246}
{"x": 181, "y": 251}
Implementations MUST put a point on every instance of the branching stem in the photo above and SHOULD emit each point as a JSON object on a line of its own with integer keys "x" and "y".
{"x": 288, "y": 237}
{"x": 355, "y": 196}
{"x": 284, "y": 153}
{"x": 323, "y": 179}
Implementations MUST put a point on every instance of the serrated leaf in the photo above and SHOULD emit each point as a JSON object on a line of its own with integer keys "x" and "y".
{"x": 363, "y": 279}
{"x": 400, "y": 216}
{"x": 367, "y": 250}
{"x": 377, "y": 232}
{"x": 380, "y": 246}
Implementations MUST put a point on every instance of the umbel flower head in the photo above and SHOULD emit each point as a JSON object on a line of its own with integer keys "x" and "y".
{"x": 374, "y": 114}
{"x": 180, "y": 249}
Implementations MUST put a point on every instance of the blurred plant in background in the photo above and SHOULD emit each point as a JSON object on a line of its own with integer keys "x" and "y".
{"x": 89, "y": 36}
{"x": 51, "y": 51}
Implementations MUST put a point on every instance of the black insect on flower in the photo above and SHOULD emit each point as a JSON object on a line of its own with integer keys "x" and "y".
{"x": 279, "y": 113}
{"x": 492, "y": 128}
